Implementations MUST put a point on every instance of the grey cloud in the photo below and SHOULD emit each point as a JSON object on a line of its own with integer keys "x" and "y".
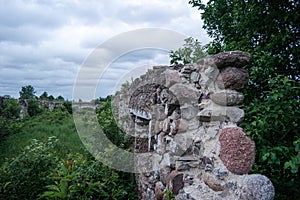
{"x": 146, "y": 54}
{"x": 23, "y": 34}
{"x": 55, "y": 81}
{"x": 35, "y": 21}
{"x": 17, "y": 54}
{"x": 152, "y": 14}
{"x": 23, "y": 13}
{"x": 128, "y": 67}
{"x": 36, "y": 44}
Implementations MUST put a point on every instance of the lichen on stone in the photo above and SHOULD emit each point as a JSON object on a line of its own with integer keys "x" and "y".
{"x": 237, "y": 150}
{"x": 231, "y": 59}
{"x": 233, "y": 78}
{"x": 257, "y": 187}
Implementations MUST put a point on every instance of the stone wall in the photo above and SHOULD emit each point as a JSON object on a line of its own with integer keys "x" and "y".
{"x": 42, "y": 104}
{"x": 184, "y": 119}
{"x": 51, "y": 105}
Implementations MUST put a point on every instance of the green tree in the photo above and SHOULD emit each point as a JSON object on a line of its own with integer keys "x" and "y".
{"x": 68, "y": 106}
{"x": 55, "y": 165}
{"x": 9, "y": 112}
{"x": 9, "y": 108}
{"x": 44, "y": 96}
{"x": 60, "y": 98}
{"x": 190, "y": 52}
{"x": 262, "y": 28}
{"x": 269, "y": 30}
{"x": 51, "y": 98}
{"x": 108, "y": 124}
{"x": 27, "y": 92}
{"x": 33, "y": 107}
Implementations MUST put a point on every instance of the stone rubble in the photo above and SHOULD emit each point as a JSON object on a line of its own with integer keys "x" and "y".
{"x": 186, "y": 118}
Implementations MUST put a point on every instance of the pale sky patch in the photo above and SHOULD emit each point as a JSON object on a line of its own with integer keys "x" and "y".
{"x": 44, "y": 43}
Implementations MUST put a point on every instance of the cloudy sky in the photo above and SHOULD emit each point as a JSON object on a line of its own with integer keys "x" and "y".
{"x": 45, "y": 43}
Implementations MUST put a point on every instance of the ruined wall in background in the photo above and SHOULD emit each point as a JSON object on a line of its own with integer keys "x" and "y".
{"x": 184, "y": 120}
{"x": 24, "y": 104}
{"x": 51, "y": 105}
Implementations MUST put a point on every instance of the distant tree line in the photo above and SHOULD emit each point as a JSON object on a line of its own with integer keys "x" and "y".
{"x": 28, "y": 92}
{"x": 10, "y": 108}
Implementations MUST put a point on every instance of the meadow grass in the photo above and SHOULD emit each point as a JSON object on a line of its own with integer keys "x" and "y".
{"x": 56, "y": 123}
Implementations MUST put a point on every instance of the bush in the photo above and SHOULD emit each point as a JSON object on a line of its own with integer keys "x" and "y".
{"x": 273, "y": 123}
{"x": 8, "y": 127}
{"x": 79, "y": 178}
{"x": 40, "y": 173}
{"x": 25, "y": 176}
{"x": 33, "y": 107}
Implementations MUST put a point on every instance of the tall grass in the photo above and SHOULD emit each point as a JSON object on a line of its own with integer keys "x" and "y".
{"x": 46, "y": 159}
{"x": 50, "y": 123}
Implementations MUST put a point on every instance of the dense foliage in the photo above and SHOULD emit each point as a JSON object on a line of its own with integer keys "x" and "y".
{"x": 42, "y": 156}
{"x": 40, "y": 172}
{"x": 109, "y": 125}
{"x": 27, "y": 92}
{"x": 9, "y": 112}
{"x": 269, "y": 30}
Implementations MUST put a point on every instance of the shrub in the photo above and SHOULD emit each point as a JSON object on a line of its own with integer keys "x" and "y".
{"x": 79, "y": 178}
{"x": 40, "y": 173}
{"x": 25, "y": 176}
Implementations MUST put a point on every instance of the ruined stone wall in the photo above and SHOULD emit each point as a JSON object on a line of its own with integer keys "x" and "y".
{"x": 51, "y": 105}
{"x": 42, "y": 104}
{"x": 184, "y": 119}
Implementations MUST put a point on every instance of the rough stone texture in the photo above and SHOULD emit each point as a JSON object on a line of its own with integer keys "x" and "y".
{"x": 185, "y": 93}
{"x": 159, "y": 188}
{"x": 257, "y": 187}
{"x": 150, "y": 194}
{"x": 175, "y": 182}
{"x": 49, "y": 105}
{"x": 216, "y": 113}
{"x": 233, "y": 78}
{"x": 231, "y": 59}
{"x": 237, "y": 150}
{"x": 195, "y": 77}
{"x": 227, "y": 98}
{"x": 172, "y": 77}
{"x": 212, "y": 182}
{"x": 150, "y": 94}
{"x": 183, "y": 196}
{"x": 185, "y": 125}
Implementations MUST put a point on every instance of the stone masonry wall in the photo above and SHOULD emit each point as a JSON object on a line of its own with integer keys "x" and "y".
{"x": 184, "y": 119}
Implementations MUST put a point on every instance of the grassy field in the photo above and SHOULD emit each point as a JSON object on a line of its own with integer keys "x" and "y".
{"x": 41, "y": 127}
{"x": 45, "y": 159}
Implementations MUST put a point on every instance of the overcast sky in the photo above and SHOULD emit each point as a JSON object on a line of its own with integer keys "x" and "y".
{"x": 44, "y": 43}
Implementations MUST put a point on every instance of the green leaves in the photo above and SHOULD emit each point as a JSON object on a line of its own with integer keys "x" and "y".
{"x": 189, "y": 53}
{"x": 169, "y": 195}
{"x": 39, "y": 172}
{"x": 250, "y": 25}
{"x": 294, "y": 163}
{"x": 269, "y": 31}
{"x": 9, "y": 108}
{"x": 71, "y": 181}
{"x": 272, "y": 120}
{"x": 27, "y": 92}
{"x": 109, "y": 126}
{"x": 26, "y": 173}
{"x": 56, "y": 165}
